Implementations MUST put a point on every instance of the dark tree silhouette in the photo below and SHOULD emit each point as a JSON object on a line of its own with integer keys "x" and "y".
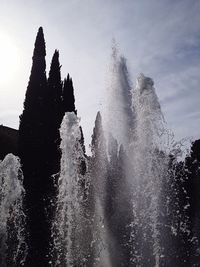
{"x": 68, "y": 105}
{"x": 55, "y": 90}
{"x": 34, "y": 157}
{"x": 97, "y": 174}
{"x": 8, "y": 141}
{"x": 192, "y": 169}
{"x": 174, "y": 216}
{"x": 39, "y": 140}
{"x": 68, "y": 96}
{"x": 54, "y": 115}
{"x": 107, "y": 196}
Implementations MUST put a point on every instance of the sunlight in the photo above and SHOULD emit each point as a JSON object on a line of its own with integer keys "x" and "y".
{"x": 9, "y": 60}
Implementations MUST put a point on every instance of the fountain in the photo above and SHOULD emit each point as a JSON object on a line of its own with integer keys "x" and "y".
{"x": 124, "y": 205}
{"x": 13, "y": 247}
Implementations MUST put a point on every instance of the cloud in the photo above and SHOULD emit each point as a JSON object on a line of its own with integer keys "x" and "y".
{"x": 159, "y": 38}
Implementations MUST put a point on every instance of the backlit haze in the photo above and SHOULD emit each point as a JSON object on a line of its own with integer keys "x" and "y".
{"x": 159, "y": 38}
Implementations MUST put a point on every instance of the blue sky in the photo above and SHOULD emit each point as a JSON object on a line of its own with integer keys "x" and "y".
{"x": 160, "y": 38}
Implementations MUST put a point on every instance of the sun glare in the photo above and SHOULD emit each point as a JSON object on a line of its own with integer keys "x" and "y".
{"x": 9, "y": 60}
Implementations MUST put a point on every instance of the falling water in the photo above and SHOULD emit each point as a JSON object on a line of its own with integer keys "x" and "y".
{"x": 149, "y": 167}
{"x": 118, "y": 115}
{"x": 98, "y": 172}
{"x": 79, "y": 228}
{"x": 124, "y": 205}
{"x": 69, "y": 221}
{"x": 12, "y": 219}
{"x": 138, "y": 124}
{"x": 111, "y": 213}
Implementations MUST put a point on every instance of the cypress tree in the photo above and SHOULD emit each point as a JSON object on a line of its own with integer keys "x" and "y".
{"x": 45, "y": 103}
{"x": 54, "y": 116}
{"x": 98, "y": 145}
{"x": 55, "y": 90}
{"x": 68, "y": 99}
{"x": 98, "y": 171}
{"x": 33, "y": 116}
{"x": 68, "y": 105}
{"x": 33, "y": 154}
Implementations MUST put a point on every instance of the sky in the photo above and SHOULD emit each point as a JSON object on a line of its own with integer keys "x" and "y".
{"x": 160, "y": 38}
